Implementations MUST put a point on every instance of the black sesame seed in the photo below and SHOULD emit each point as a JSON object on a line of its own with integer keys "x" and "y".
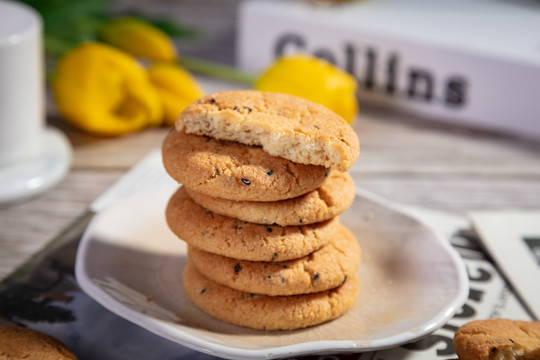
{"x": 274, "y": 257}
{"x": 203, "y": 291}
{"x": 493, "y": 349}
{"x": 300, "y": 220}
{"x": 344, "y": 279}
{"x": 212, "y": 100}
{"x": 248, "y": 108}
{"x": 217, "y": 171}
{"x": 512, "y": 341}
{"x": 270, "y": 172}
{"x": 283, "y": 280}
{"x": 236, "y": 108}
{"x": 208, "y": 212}
{"x": 246, "y": 181}
{"x": 325, "y": 174}
{"x": 237, "y": 268}
{"x": 316, "y": 277}
{"x": 284, "y": 266}
{"x": 342, "y": 140}
{"x": 269, "y": 229}
{"x": 315, "y": 126}
{"x": 268, "y": 277}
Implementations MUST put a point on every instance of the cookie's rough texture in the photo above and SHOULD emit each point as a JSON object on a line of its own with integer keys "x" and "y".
{"x": 18, "y": 342}
{"x": 268, "y": 312}
{"x": 334, "y": 196}
{"x": 323, "y": 269}
{"x": 498, "y": 339}
{"x": 235, "y": 171}
{"x": 241, "y": 240}
{"x": 284, "y": 125}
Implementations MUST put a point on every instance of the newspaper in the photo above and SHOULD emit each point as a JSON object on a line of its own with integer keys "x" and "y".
{"x": 512, "y": 238}
{"x": 44, "y": 295}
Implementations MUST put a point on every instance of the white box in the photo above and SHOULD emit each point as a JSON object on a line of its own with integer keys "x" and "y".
{"x": 472, "y": 62}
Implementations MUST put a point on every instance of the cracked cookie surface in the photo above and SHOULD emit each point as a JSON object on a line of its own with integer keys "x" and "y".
{"x": 284, "y": 125}
{"x": 234, "y": 171}
{"x": 321, "y": 270}
{"x": 268, "y": 312}
{"x": 242, "y": 240}
{"x": 334, "y": 196}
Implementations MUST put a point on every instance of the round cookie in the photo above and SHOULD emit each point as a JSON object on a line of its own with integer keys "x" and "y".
{"x": 17, "y": 342}
{"x": 241, "y": 240}
{"x": 498, "y": 339}
{"x": 284, "y": 125}
{"x": 321, "y": 270}
{"x": 334, "y": 196}
{"x": 268, "y": 312}
{"x": 235, "y": 171}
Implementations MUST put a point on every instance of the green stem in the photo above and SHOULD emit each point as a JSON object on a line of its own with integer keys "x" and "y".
{"x": 210, "y": 68}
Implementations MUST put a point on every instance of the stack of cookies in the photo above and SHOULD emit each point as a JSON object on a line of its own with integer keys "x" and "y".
{"x": 264, "y": 179}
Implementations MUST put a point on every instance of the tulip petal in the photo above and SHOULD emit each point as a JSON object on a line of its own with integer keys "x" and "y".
{"x": 138, "y": 38}
{"x": 102, "y": 90}
{"x": 314, "y": 79}
{"x": 175, "y": 87}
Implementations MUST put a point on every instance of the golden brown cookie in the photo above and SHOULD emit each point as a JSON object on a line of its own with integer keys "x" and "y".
{"x": 234, "y": 171}
{"x": 334, "y": 196}
{"x": 18, "y": 342}
{"x": 321, "y": 270}
{"x": 268, "y": 312}
{"x": 498, "y": 339}
{"x": 241, "y": 240}
{"x": 284, "y": 125}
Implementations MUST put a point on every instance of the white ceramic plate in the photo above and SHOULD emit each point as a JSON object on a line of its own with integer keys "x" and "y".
{"x": 412, "y": 282}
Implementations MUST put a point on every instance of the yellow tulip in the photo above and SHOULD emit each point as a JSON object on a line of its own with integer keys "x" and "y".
{"x": 138, "y": 38}
{"x": 314, "y": 79}
{"x": 176, "y": 89}
{"x": 104, "y": 91}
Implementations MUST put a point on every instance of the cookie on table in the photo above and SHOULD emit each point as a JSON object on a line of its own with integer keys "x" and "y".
{"x": 235, "y": 171}
{"x": 17, "y": 342}
{"x": 334, "y": 196}
{"x": 268, "y": 312}
{"x": 284, "y": 125}
{"x": 496, "y": 339}
{"x": 242, "y": 240}
{"x": 321, "y": 270}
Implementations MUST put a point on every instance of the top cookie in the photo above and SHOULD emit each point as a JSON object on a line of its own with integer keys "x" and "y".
{"x": 286, "y": 126}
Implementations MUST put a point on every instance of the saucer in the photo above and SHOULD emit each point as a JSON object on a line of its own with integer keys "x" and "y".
{"x": 412, "y": 282}
{"x": 38, "y": 173}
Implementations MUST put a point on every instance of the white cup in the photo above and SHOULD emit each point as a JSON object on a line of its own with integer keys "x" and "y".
{"x": 21, "y": 82}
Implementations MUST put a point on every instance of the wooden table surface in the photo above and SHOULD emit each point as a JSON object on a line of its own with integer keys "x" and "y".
{"x": 406, "y": 159}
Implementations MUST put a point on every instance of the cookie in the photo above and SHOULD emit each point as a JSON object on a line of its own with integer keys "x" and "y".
{"x": 241, "y": 240}
{"x": 235, "y": 171}
{"x": 17, "y": 342}
{"x": 498, "y": 339}
{"x": 284, "y": 125}
{"x": 268, "y": 312}
{"x": 321, "y": 270}
{"x": 334, "y": 196}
